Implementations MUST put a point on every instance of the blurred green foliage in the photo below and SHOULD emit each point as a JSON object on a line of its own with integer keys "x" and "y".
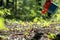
{"x": 28, "y": 10}
{"x": 51, "y": 35}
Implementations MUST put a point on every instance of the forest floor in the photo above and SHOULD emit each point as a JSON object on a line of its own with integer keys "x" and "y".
{"x": 30, "y": 31}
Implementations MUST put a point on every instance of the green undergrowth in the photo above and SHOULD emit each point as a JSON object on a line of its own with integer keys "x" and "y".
{"x": 30, "y": 14}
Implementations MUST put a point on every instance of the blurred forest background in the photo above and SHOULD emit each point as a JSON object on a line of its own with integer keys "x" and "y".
{"x": 26, "y": 12}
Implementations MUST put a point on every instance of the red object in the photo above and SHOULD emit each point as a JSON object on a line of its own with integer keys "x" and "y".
{"x": 46, "y": 6}
{"x": 44, "y": 11}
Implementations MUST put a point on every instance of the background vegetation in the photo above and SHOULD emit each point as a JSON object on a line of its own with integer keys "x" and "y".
{"x": 27, "y": 11}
